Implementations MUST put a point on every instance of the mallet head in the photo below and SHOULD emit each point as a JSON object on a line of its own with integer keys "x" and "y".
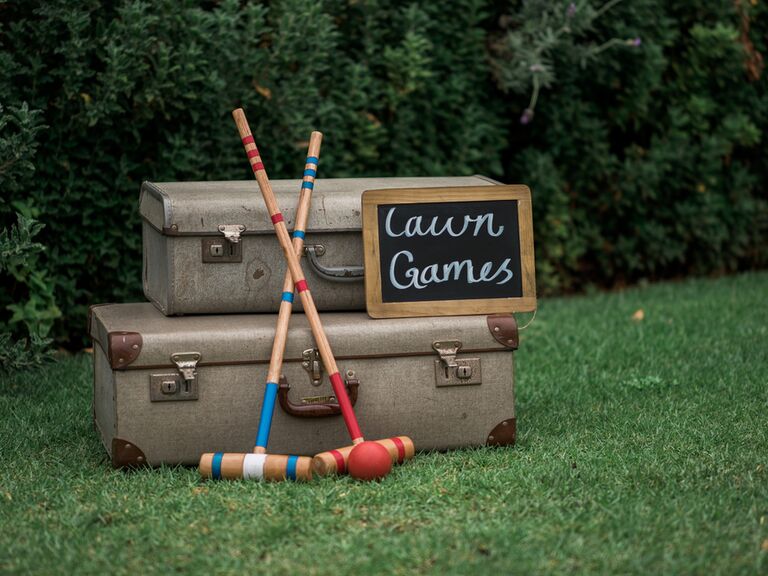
{"x": 269, "y": 467}
{"x": 400, "y": 449}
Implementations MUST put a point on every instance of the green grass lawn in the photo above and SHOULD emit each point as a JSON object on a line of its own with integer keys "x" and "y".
{"x": 643, "y": 448}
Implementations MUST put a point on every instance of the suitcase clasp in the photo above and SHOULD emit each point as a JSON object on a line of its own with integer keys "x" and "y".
{"x": 452, "y": 371}
{"x": 175, "y": 386}
{"x": 186, "y": 362}
{"x": 310, "y": 361}
{"x": 232, "y": 232}
{"x": 447, "y": 349}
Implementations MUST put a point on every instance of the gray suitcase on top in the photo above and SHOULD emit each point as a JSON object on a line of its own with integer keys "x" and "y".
{"x": 169, "y": 389}
{"x": 209, "y": 247}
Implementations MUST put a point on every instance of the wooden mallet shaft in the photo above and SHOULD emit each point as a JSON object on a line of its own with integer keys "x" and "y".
{"x": 286, "y": 303}
{"x": 269, "y": 467}
{"x": 310, "y": 310}
{"x": 400, "y": 449}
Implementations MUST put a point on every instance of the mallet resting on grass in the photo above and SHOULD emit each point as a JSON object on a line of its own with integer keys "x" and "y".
{"x": 232, "y": 466}
{"x": 294, "y": 467}
{"x": 375, "y": 461}
{"x": 400, "y": 449}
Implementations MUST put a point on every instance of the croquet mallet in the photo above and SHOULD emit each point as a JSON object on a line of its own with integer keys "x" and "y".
{"x": 372, "y": 460}
{"x": 336, "y": 461}
{"x": 260, "y": 465}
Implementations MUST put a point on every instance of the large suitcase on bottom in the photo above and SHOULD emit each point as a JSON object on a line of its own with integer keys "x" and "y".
{"x": 169, "y": 389}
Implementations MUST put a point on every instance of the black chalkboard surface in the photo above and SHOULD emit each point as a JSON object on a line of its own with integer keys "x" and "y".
{"x": 448, "y": 251}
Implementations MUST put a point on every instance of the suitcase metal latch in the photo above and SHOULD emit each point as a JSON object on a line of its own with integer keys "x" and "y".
{"x": 310, "y": 361}
{"x": 447, "y": 352}
{"x": 179, "y": 385}
{"x": 229, "y": 249}
{"x": 232, "y": 231}
{"x": 186, "y": 362}
{"x": 452, "y": 371}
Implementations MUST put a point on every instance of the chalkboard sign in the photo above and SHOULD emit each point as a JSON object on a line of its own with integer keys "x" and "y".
{"x": 444, "y": 251}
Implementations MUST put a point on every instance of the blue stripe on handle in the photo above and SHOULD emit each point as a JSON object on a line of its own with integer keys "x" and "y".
{"x": 290, "y": 469}
{"x": 298, "y": 234}
{"x": 216, "y": 465}
{"x": 309, "y": 185}
{"x": 287, "y": 297}
{"x": 265, "y": 420}
{"x": 310, "y": 172}
{"x": 312, "y": 160}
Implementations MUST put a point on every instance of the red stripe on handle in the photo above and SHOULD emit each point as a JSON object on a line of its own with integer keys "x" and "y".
{"x": 258, "y": 166}
{"x": 346, "y": 406}
{"x": 276, "y": 218}
{"x": 341, "y": 466}
{"x": 248, "y": 140}
{"x": 301, "y": 286}
{"x": 400, "y": 449}
{"x": 253, "y": 153}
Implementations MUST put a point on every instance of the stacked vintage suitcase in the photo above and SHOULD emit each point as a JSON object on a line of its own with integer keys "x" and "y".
{"x": 184, "y": 373}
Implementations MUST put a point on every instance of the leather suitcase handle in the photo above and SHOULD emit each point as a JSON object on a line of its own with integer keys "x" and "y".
{"x": 332, "y": 273}
{"x": 319, "y": 410}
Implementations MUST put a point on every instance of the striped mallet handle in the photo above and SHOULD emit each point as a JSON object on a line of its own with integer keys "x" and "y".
{"x": 400, "y": 449}
{"x": 286, "y": 304}
{"x": 310, "y": 310}
{"x": 269, "y": 467}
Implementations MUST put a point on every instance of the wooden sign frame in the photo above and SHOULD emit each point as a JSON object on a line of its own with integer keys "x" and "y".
{"x": 377, "y": 308}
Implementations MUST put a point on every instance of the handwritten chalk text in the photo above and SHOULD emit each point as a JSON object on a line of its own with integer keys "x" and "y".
{"x": 415, "y": 226}
{"x": 465, "y": 270}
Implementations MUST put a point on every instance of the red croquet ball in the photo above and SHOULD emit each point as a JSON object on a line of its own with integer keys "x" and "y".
{"x": 369, "y": 461}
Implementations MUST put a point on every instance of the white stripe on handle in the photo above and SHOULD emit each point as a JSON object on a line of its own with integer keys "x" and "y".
{"x": 253, "y": 466}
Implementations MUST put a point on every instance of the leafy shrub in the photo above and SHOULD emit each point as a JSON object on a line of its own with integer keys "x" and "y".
{"x": 27, "y": 300}
{"x": 649, "y": 164}
{"x": 645, "y": 161}
{"x": 33, "y": 309}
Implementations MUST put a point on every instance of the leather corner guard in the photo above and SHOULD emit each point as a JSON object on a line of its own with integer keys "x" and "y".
{"x": 123, "y": 348}
{"x": 126, "y": 455}
{"x": 503, "y": 328}
{"x": 504, "y": 434}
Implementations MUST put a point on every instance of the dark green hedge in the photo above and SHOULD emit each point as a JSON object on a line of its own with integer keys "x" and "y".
{"x": 644, "y": 152}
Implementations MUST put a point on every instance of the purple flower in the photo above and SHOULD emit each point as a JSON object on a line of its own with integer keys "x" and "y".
{"x": 571, "y": 11}
{"x": 634, "y": 42}
{"x": 526, "y": 117}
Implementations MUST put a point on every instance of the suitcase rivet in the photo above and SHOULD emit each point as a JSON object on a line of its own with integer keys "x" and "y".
{"x": 510, "y": 341}
{"x": 504, "y": 423}
{"x": 120, "y": 360}
{"x": 490, "y": 437}
{"x": 496, "y": 328}
{"x": 135, "y": 346}
{"x": 174, "y": 227}
{"x": 127, "y": 445}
